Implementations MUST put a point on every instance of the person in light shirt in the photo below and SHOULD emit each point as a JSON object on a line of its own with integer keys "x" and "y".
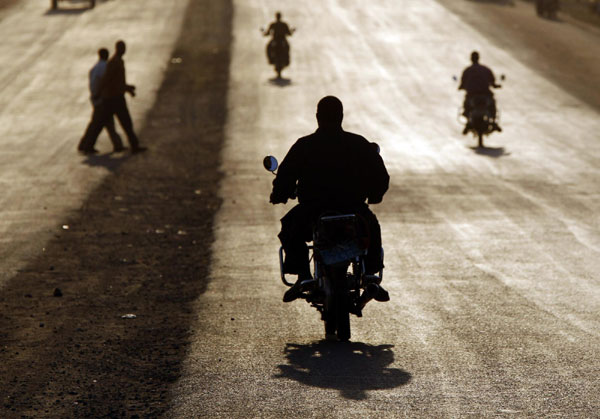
{"x": 95, "y": 77}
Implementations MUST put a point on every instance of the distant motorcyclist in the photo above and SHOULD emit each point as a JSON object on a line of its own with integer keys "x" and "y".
{"x": 476, "y": 80}
{"x": 279, "y": 30}
{"x": 330, "y": 169}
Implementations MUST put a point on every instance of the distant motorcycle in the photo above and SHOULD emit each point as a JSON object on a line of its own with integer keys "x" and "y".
{"x": 338, "y": 255}
{"x": 278, "y": 53}
{"x": 547, "y": 8}
{"x": 480, "y": 117}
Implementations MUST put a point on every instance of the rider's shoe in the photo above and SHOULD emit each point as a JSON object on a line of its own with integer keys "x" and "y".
{"x": 373, "y": 291}
{"x": 382, "y": 295}
{"x": 295, "y": 291}
{"x": 497, "y": 127}
{"x": 466, "y": 130}
{"x": 368, "y": 294}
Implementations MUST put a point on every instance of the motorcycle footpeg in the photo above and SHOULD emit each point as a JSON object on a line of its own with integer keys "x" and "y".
{"x": 308, "y": 284}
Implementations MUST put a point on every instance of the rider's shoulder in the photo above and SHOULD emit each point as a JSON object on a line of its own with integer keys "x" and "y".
{"x": 355, "y": 138}
{"x": 305, "y": 141}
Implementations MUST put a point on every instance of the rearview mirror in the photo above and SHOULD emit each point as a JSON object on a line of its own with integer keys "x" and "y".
{"x": 376, "y": 147}
{"x": 270, "y": 163}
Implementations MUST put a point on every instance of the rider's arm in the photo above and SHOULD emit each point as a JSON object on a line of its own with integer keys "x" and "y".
{"x": 462, "y": 80}
{"x": 268, "y": 31}
{"x": 379, "y": 179}
{"x": 493, "y": 80}
{"x": 284, "y": 184}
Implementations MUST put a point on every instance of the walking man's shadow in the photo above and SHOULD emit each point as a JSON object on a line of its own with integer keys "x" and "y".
{"x": 353, "y": 368}
{"x": 110, "y": 161}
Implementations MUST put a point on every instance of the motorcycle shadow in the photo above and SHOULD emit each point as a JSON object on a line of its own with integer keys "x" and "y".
{"x": 494, "y": 152}
{"x": 353, "y": 368}
{"x": 280, "y": 81}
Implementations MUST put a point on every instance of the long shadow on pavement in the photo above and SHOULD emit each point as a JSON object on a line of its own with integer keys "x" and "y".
{"x": 98, "y": 323}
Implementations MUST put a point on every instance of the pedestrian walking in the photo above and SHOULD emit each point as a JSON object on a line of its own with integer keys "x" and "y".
{"x": 95, "y": 77}
{"x": 113, "y": 87}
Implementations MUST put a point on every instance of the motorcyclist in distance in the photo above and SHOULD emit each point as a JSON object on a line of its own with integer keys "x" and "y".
{"x": 330, "y": 169}
{"x": 279, "y": 30}
{"x": 476, "y": 80}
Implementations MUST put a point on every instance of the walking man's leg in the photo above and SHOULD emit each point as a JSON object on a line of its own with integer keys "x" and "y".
{"x": 120, "y": 108}
{"x": 115, "y": 138}
{"x": 88, "y": 141}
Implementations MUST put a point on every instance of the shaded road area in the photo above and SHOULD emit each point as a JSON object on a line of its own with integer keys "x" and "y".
{"x": 139, "y": 232}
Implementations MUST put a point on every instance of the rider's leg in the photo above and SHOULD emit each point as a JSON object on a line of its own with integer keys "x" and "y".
{"x": 374, "y": 259}
{"x": 296, "y": 230}
{"x": 493, "y": 114}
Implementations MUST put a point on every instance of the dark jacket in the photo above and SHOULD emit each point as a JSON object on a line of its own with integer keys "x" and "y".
{"x": 477, "y": 79}
{"x": 332, "y": 168}
{"x": 113, "y": 83}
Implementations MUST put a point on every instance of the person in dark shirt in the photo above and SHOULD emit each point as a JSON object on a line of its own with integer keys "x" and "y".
{"x": 476, "y": 80}
{"x": 330, "y": 169}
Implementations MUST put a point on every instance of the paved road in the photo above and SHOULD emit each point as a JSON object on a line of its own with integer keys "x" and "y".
{"x": 44, "y": 106}
{"x": 492, "y": 257}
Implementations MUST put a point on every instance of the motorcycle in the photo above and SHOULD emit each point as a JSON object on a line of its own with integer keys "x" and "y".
{"x": 338, "y": 255}
{"x": 480, "y": 117}
{"x": 278, "y": 53}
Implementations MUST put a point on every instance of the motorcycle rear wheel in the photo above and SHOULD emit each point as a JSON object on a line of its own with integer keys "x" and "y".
{"x": 337, "y": 314}
{"x": 343, "y": 317}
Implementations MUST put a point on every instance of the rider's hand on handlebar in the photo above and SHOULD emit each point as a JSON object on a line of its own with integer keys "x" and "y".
{"x": 273, "y": 199}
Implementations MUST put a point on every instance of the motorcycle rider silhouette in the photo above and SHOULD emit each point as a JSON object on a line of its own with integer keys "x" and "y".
{"x": 278, "y": 49}
{"x": 476, "y": 81}
{"x": 329, "y": 170}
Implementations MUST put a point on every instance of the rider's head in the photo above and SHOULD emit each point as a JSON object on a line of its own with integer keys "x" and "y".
{"x": 278, "y": 15}
{"x": 103, "y": 54}
{"x": 120, "y": 48}
{"x": 475, "y": 57}
{"x": 330, "y": 112}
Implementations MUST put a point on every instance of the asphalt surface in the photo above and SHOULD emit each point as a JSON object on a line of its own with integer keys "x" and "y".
{"x": 491, "y": 254}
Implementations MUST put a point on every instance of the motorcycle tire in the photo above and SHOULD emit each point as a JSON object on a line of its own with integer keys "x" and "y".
{"x": 341, "y": 306}
{"x": 479, "y": 125}
{"x": 337, "y": 314}
{"x": 343, "y": 317}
